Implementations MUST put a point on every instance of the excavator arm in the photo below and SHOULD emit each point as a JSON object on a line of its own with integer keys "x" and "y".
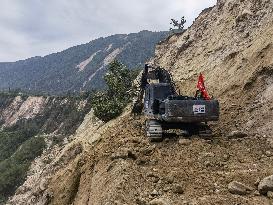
{"x": 151, "y": 75}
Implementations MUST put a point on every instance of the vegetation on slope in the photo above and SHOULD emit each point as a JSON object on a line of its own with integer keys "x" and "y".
{"x": 18, "y": 149}
{"x": 110, "y": 103}
{"x": 22, "y": 142}
{"x": 59, "y": 73}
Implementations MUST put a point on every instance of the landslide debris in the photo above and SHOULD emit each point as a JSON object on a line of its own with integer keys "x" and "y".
{"x": 123, "y": 167}
{"x": 231, "y": 43}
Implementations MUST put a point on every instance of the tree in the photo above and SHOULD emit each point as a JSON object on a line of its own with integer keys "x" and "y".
{"x": 110, "y": 103}
{"x": 177, "y": 25}
{"x": 119, "y": 81}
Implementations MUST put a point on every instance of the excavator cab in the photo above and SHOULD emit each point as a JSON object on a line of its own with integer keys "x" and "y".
{"x": 155, "y": 94}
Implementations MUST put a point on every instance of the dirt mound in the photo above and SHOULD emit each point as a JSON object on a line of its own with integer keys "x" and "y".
{"x": 125, "y": 168}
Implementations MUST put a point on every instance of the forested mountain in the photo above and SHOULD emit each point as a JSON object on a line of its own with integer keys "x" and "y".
{"x": 80, "y": 67}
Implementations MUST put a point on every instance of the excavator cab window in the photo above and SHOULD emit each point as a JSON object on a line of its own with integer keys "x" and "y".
{"x": 162, "y": 92}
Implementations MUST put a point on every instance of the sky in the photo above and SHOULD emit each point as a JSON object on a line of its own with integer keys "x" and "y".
{"x": 39, "y": 27}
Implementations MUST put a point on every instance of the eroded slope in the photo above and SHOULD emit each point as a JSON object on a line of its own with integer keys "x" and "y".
{"x": 231, "y": 44}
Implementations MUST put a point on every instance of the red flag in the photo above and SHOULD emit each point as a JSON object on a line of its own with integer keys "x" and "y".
{"x": 202, "y": 88}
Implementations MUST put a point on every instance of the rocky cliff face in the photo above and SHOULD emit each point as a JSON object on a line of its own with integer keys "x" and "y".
{"x": 231, "y": 44}
{"x": 49, "y": 114}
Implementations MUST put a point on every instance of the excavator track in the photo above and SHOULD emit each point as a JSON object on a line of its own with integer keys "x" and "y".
{"x": 205, "y": 131}
{"x": 154, "y": 130}
{"x": 200, "y": 129}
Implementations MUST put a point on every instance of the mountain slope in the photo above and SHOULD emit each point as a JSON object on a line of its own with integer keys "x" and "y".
{"x": 80, "y": 67}
{"x": 31, "y": 125}
{"x": 231, "y": 44}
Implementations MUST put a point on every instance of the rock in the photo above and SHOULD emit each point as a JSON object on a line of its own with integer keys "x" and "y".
{"x": 270, "y": 143}
{"x": 132, "y": 155}
{"x": 239, "y": 188}
{"x": 119, "y": 155}
{"x": 178, "y": 189}
{"x": 236, "y": 134}
{"x": 155, "y": 179}
{"x": 207, "y": 164}
{"x": 268, "y": 154}
{"x": 247, "y": 12}
{"x": 143, "y": 161}
{"x": 186, "y": 202}
{"x": 141, "y": 201}
{"x": 160, "y": 201}
{"x": 148, "y": 150}
{"x": 169, "y": 179}
{"x": 270, "y": 194}
{"x": 43, "y": 185}
{"x": 257, "y": 182}
{"x": 167, "y": 140}
{"x": 167, "y": 188}
{"x": 47, "y": 196}
{"x": 266, "y": 185}
{"x": 154, "y": 193}
{"x": 256, "y": 193}
{"x": 21, "y": 190}
{"x": 243, "y": 16}
{"x": 78, "y": 150}
{"x": 111, "y": 166}
{"x": 124, "y": 154}
{"x": 151, "y": 174}
{"x": 226, "y": 157}
{"x": 116, "y": 202}
{"x": 184, "y": 142}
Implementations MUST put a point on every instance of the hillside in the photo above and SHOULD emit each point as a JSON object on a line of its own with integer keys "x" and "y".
{"x": 231, "y": 43}
{"x": 80, "y": 67}
{"x": 31, "y": 125}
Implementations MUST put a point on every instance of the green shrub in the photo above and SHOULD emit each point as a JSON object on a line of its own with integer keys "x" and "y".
{"x": 110, "y": 103}
{"x": 107, "y": 108}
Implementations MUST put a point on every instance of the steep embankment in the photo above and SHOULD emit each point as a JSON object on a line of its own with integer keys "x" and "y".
{"x": 231, "y": 44}
{"x": 81, "y": 67}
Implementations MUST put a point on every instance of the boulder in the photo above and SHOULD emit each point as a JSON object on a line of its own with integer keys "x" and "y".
{"x": 169, "y": 179}
{"x": 239, "y": 188}
{"x": 154, "y": 193}
{"x": 43, "y": 185}
{"x": 268, "y": 154}
{"x": 178, "y": 189}
{"x": 124, "y": 154}
{"x": 236, "y": 134}
{"x": 270, "y": 195}
{"x": 184, "y": 142}
{"x": 266, "y": 185}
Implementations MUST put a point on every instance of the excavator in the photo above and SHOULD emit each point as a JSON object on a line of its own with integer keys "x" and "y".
{"x": 165, "y": 109}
